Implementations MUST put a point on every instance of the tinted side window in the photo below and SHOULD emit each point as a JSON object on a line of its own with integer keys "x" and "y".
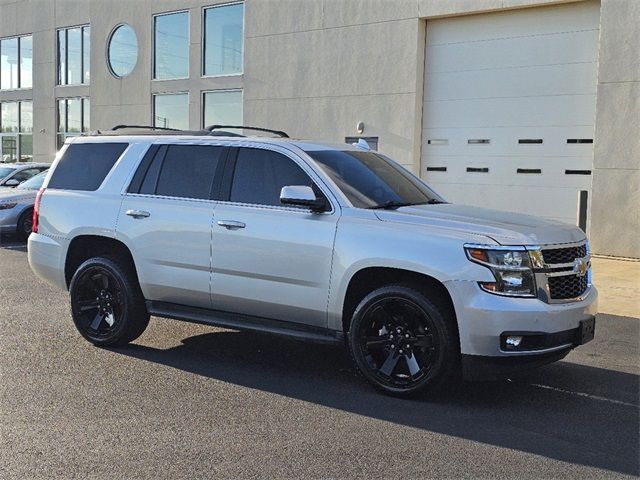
{"x": 188, "y": 171}
{"x": 260, "y": 175}
{"x": 85, "y": 165}
{"x": 26, "y": 174}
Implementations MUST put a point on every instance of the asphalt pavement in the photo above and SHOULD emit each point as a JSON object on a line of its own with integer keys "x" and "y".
{"x": 189, "y": 401}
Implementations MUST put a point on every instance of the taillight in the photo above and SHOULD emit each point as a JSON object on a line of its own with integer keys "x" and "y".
{"x": 36, "y": 211}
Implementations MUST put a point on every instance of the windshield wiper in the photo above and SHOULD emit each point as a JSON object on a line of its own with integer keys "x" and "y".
{"x": 392, "y": 204}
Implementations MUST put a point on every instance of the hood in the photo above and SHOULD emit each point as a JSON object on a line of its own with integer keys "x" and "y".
{"x": 506, "y": 228}
{"x": 15, "y": 195}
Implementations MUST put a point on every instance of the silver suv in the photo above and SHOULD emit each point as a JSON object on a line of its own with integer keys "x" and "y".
{"x": 321, "y": 242}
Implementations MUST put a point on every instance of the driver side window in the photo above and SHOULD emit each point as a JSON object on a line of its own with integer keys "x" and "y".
{"x": 260, "y": 175}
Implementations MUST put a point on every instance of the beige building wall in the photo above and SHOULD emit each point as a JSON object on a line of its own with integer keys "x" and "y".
{"x": 615, "y": 207}
{"x": 315, "y": 68}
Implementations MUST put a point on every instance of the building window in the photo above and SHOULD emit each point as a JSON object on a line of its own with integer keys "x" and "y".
{"x": 123, "y": 51}
{"x": 171, "y": 46}
{"x": 73, "y": 118}
{"x": 16, "y": 131}
{"x": 16, "y": 62}
{"x": 74, "y": 48}
{"x": 223, "y": 40}
{"x": 222, "y": 107}
{"x": 171, "y": 110}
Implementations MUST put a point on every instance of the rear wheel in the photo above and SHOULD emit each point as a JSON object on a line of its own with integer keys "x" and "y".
{"x": 25, "y": 225}
{"x": 107, "y": 305}
{"x": 402, "y": 342}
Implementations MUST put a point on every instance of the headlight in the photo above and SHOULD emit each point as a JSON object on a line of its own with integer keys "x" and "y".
{"x": 511, "y": 268}
{"x": 7, "y": 206}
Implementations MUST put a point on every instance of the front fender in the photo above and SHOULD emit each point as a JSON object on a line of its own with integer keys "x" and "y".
{"x": 363, "y": 241}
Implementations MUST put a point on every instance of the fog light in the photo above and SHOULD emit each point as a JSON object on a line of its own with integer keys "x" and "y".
{"x": 514, "y": 341}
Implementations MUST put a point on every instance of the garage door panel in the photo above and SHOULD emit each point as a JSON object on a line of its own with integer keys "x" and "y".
{"x": 556, "y": 203}
{"x": 509, "y": 108}
{"x": 528, "y": 111}
{"x": 549, "y": 81}
{"x": 552, "y": 173}
{"x": 514, "y": 23}
{"x": 514, "y": 53}
{"x": 505, "y": 141}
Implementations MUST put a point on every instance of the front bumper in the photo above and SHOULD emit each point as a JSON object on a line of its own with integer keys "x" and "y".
{"x": 9, "y": 220}
{"x": 483, "y": 318}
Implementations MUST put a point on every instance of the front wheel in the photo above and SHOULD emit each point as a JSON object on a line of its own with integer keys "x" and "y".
{"x": 402, "y": 341}
{"x": 107, "y": 305}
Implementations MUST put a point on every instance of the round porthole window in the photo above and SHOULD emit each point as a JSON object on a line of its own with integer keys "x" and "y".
{"x": 122, "y": 54}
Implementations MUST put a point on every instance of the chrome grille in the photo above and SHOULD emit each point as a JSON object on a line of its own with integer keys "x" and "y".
{"x": 564, "y": 255}
{"x": 567, "y": 286}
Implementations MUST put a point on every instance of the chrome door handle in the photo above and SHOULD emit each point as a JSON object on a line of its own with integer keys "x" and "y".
{"x": 231, "y": 224}
{"x": 137, "y": 213}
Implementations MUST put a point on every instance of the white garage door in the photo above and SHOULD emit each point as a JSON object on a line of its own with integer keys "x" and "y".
{"x": 509, "y": 109}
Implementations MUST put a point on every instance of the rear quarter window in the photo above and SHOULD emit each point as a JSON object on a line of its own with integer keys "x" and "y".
{"x": 84, "y": 166}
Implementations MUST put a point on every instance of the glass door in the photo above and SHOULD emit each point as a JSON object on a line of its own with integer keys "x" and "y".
{"x": 8, "y": 148}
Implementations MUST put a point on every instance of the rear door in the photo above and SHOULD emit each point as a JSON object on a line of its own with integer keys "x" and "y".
{"x": 271, "y": 260}
{"x": 166, "y": 219}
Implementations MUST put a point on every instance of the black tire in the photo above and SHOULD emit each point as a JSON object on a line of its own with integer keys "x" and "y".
{"x": 107, "y": 305}
{"x": 25, "y": 225}
{"x": 405, "y": 342}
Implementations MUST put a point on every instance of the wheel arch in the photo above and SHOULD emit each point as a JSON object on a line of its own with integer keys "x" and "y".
{"x": 83, "y": 247}
{"x": 367, "y": 279}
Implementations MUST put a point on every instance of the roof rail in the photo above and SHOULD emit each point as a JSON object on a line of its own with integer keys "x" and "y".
{"x": 145, "y": 127}
{"x": 280, "y": 133}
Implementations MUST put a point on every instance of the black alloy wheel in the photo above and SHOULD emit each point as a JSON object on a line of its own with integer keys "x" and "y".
{"x": 401, "y": 342}
{"x": 106, "y": 302}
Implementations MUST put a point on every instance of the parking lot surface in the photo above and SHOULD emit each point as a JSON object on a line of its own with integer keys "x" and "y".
{"x": 188, "y": 401}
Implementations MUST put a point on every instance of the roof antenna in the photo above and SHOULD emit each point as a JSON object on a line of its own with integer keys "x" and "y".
{"x": 362, "y": 144}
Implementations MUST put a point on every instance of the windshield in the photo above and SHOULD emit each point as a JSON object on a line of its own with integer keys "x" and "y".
{"x": 5, "y": 172}
{"x": 371, "y": 180}
{"x": 34, "y": 183}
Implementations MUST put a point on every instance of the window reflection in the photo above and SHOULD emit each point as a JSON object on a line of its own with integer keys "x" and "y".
{"x": 74, "y": 55}
{"x": 123, "y": 51}
{"x": 26, "y": 62}
{"x": 223, "y": 107}
{"x": 171, "y": 46}
{"x": 223, "y": 40}
{"x": 171, "y": 111}
{"x": 9, "y": 63}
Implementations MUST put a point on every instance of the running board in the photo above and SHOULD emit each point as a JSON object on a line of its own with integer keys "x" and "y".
{"x": 236, "y": 321}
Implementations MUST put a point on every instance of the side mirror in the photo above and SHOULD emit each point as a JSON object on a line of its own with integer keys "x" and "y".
{"x": 302, "y": 196}
{"x": 12, "y": 183}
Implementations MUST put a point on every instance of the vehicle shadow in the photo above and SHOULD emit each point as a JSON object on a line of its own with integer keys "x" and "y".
{"x": 11, "y": 242}
{"x": 513, "y": 414}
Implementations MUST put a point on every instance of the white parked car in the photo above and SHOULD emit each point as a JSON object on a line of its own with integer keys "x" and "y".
{"x": 323, "y": 242}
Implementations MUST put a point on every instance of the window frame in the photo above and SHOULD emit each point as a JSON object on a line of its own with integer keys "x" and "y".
{"x": 203, "y": 35}
{"x": 140, "y": 174}
{"x": 153, "y": 44}
{"x": 66, "y": 134}
{"x": 203, "y": 93}
{"x": 19, "y": 62}
{"x": 19, "y": 133}
{"x": 66, "y": 55}
{"x": 229, "y": 175}
{"x": 108, "y": 50}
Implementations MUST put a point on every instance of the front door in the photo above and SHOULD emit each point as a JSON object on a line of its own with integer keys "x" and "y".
{"x": 269, "y": 260}
{"x": 166, "y": 218}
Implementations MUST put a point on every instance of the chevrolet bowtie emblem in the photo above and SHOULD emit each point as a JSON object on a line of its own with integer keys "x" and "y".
{"x": 580, "y": 266}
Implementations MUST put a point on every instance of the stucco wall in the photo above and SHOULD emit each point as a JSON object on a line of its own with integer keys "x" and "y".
{"x": 615, "y": 208}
